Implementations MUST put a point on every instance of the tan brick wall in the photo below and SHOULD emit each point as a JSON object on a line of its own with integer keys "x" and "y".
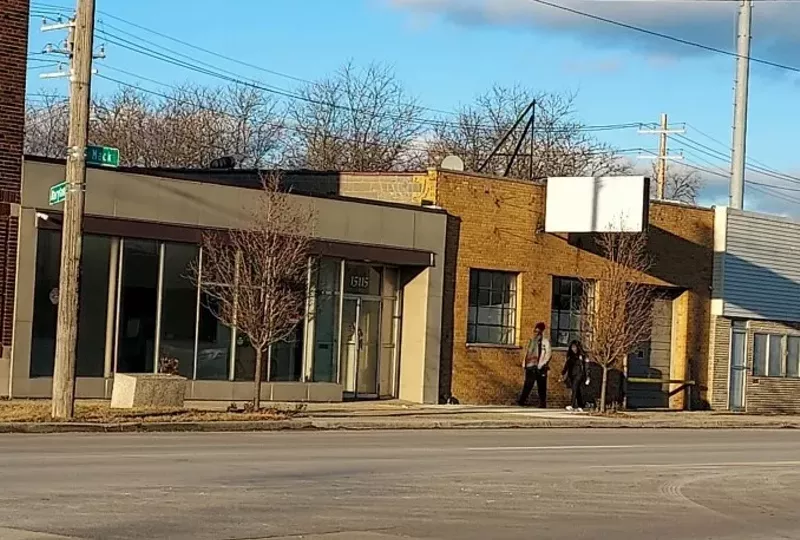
{"x": 719, "y": 362}
{"x": 770, "y": 394}
{"x": 500, "y": 227}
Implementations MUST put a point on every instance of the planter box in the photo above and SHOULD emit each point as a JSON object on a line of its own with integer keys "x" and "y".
{"x": 147, "y": 390}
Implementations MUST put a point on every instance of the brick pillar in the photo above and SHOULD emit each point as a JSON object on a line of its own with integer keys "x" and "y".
{"x": 14, "y": 24}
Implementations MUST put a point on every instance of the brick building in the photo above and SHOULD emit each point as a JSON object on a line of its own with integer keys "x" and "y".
{"x": 496, "y": 249}
{"x": 14, "y": 22}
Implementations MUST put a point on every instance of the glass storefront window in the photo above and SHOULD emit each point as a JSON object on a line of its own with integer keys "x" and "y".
{"x": 45, "y": 303}
{"x": 137, "y": 306}
{"x": 213, "y": 344}
{"x": 92, "y": 306}
{"x": 95, "y": 263}
{"x": 362, "y": 279}
{"x": 286, "y": 360}
{"x": 178, "y": 306}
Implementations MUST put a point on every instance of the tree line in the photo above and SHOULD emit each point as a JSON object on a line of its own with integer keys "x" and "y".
{"x": 359, "y": 119}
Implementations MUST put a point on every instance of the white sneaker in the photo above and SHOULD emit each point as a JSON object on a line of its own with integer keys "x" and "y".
{"x": 569, "y": 408}
{"x": 579, "y": 410}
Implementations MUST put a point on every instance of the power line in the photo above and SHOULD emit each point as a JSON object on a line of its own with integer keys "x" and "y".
{"x": 665, "y": 36}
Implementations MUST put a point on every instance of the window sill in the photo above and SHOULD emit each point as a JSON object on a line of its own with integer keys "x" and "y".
{"x": 493, "y": 346}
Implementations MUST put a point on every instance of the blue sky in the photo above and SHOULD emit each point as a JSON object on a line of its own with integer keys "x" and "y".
{"x": 447, "y": 51}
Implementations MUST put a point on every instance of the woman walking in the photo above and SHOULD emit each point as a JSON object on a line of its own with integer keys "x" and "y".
{"x": 576, "y": 375}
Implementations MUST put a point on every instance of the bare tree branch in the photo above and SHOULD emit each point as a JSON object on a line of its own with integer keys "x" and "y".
{"x": 683, "y": 184}
{"x": 617, "y": 308}
{"x": 191, "y": 127}
{"x": 359, "y": 120}
{"x": 561, "y": 145}
{"x": 257, "y": 276}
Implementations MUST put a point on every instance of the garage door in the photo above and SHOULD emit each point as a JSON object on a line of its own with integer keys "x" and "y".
{"x": 652, "y": 360}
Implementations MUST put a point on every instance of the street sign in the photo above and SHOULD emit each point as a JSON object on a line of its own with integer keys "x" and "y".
{"x": 58, "y": 193}
{"x": 104, "y": 156}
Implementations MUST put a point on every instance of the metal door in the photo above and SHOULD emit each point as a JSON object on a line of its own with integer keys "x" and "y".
{"x": 738, "y": 370}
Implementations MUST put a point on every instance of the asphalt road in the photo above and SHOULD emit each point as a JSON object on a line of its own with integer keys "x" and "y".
{"x": 460, "y": 485}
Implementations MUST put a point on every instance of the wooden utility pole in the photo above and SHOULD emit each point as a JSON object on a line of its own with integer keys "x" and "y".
{"x": 81, "y": 54}
{"x": 661, "y": 177}
{"x": 661, "y": 157}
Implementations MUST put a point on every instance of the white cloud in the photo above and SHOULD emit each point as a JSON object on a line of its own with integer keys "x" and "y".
{"x": 775, "y": 34}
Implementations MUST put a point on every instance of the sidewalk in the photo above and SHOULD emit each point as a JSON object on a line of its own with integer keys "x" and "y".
{"x": 400, "y": 415}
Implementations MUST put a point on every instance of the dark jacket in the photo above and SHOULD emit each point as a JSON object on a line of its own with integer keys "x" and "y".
{"x": 575, "y": 367}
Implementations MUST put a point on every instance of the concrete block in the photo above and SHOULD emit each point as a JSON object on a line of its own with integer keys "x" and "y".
{"x": 324, "y": 392}
{"x": 148, "y": 390}
{"x": 289, "y": 391}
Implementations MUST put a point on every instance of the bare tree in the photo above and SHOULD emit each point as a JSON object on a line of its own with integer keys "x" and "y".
{"x": 189, "y": 127}
{"x": 617, "y": 308}
{"x": 683, "y": 184}
{"x": 46, "y": 126}
{"x": 562, "y": 145}
{"x": 361, "y": 120}
{"x": 256, "y": 277}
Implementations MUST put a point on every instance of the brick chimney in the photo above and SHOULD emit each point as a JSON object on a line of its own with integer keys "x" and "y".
{"x": 14, "y": 24}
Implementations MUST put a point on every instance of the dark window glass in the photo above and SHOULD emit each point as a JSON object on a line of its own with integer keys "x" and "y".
{"x": 760, "y": 354}
{"x": 92, "y": 308}
{"x": 179, "y": 306}
{"x": 492, "y": 315}
{"x": 565, "y": 315}
{"x": 213, "y": 343}
{"x": 138, "y": 299}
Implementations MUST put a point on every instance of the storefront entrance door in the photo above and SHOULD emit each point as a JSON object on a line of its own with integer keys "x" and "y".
{"x": 360, "y": 352}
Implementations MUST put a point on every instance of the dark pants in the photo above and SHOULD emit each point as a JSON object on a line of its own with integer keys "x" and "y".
{"x": 534, "y": 375}
{"x": 577, "y": 393}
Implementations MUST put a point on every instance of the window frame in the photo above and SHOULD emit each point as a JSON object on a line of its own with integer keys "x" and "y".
{"x": 784, "y": 338}
{"x": 509, "y": 310}
{"x": 555, "y": 309}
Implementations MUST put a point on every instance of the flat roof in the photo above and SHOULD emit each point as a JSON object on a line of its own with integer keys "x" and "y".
{"x": 251, "y": 179}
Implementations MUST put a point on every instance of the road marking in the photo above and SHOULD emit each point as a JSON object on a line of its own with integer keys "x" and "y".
{"x": 597, "y": 447}
{"x": 699, "y": 465}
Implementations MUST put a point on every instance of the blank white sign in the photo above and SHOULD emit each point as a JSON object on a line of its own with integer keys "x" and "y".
{"x": 602, "y": 204}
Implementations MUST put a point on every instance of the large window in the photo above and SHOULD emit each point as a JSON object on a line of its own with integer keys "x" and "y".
{"x": 776, "y": 355}
{"x": 179, "y": 306}
{"x": 92, "y": 306}
{"x": 492, "y": 315}
{"x": 565, "y": 311}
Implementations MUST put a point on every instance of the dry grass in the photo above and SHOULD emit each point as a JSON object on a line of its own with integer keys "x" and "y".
{"x": 100, "y": 412}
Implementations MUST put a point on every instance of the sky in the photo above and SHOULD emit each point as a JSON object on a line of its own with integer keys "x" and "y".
{"x": 448, "y": 51}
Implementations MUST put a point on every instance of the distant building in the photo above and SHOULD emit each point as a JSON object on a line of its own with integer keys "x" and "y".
{"x": 755, "y": 317}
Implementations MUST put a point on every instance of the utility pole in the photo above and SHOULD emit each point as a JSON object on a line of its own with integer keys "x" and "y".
{"x": 661, "y": 177}
{"x": 739, "y": 153}
{"x": 81, "y": 54}
{"x": 662, "y": 157}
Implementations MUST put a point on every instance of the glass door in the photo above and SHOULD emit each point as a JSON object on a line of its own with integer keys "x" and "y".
{"x": 360, "y": 346}
{"x": 350, "y": 342}
{"x": 370, "y": 347}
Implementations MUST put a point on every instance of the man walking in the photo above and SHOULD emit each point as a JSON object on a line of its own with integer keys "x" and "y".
{"x": 536, "y": 363}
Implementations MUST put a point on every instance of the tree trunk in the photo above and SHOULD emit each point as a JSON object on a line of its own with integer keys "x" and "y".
{"x": 604, "y": 389}
{"x": 257, "y": 381}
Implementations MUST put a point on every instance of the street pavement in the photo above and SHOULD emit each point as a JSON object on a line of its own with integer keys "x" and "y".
{"x": 390, "y": 485}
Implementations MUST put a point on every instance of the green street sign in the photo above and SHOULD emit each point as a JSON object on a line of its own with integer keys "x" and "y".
{"x": 58, "y": 193}
{"x": 104, "y": 156}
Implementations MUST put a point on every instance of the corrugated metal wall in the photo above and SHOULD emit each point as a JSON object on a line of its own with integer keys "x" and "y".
{"x": 761, "y": 270}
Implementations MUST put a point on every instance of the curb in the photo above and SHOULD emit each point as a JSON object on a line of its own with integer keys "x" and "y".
{"x": 312, "y": 424}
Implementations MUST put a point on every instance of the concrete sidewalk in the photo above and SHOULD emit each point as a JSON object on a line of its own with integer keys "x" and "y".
{"x": 400, "y": 415}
